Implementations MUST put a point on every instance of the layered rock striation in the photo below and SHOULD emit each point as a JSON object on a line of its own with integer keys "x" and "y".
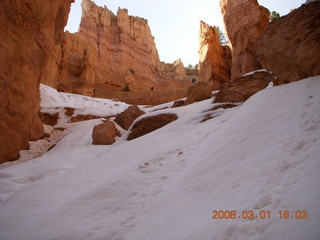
{"x": 29, "y": 31}
{"x": 245, "y": 20}
{"x": 109, "y": 52}
{"x": 215, "y": 59}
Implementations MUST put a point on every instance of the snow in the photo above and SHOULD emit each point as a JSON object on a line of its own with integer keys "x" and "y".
{"x": 262, "y": 155}
{"x": 54, "y": 102}
{"x": 310, "y": 1}
{"x": 253, "y": 72}
{"x": 51, "y": 99}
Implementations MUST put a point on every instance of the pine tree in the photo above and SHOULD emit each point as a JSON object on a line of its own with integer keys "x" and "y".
{"x": 274, "y": 15}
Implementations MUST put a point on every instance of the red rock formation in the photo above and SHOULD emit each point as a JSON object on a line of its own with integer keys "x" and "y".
{"x": 215, "y": 60}
{"x": 109, "y": 52}
{"x": 198, "y": 92}
{"x": 244, "y": 87}
{"x": 244, "y": 20}
{"x": 127, "y": 117}
{"x": 290, "y": 46}
{"x": 178, "y": 103}
{"x": 105, "y": 133}
{"x": 175, "y": 70}
{"x": 29, "y": 30}
{"x": 150, "y": 124}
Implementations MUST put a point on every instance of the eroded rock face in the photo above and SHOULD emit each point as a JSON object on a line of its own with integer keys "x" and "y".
{"x": 105, "y": 133}
{"x": 215, "y": 60}
{"x": 198, "y": 92}
{"x": 29, "y": 31}
{"x": 244, "y": 20}
{"x": 175, "y": 70}
{"x": 109, "y": 52}
{"x": 127, "y": 117}
{"x": 290, "y": 46}
{"x": 244, "y": 87}
{"x": 150, "y": 124}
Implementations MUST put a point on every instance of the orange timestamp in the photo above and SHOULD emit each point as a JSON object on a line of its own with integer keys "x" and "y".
{"x": 262, "y": 214}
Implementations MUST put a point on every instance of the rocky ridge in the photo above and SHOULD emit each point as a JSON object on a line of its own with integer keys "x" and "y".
{"x": 109, "y": 52}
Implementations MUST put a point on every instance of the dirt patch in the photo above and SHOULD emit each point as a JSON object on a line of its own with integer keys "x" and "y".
{"x": 69, "y": 111}
{"x": 48, "y": 119}
{"x": 81, "y": 117}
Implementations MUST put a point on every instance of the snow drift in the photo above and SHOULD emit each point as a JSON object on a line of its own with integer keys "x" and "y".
{"x": 262, "y": 155}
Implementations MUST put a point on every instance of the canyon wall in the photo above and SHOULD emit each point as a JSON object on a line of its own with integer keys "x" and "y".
{"x": 109, "y": 52}
{"x": 29, "y": 31}
{"x": 215, "y": 60}
{"x": 290, "y": 45}
{"x": 245, "y": 20}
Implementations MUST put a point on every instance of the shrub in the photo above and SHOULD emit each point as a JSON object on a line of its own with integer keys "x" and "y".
{"x": 126, "y": 88}
{"x": 274, "y": 15}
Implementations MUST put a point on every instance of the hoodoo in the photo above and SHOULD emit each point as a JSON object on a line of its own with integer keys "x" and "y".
{"x": 215, "y": 59}
{"x": 245, "y": 20}
{"x": 110, "y": 52}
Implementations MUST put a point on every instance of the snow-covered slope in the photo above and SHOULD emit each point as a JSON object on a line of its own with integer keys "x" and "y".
{"x": 263, "y": 155}
{"x": 51, "y": 99}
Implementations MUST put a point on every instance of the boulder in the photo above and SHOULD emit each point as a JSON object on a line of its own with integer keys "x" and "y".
{"x": 178, "y": 103}
{"x": 245, "y": 21}
{"x": 150, "y": 124}
{"x": 215, "y": 59}
{"x": 29, "y": 31}
{"x": 290, "y": 45}
{"x": 127, "y": 117}
{"x": 244, "y": 87}
{"x": 105, "y": 133}
{"x": 198, "y": 92}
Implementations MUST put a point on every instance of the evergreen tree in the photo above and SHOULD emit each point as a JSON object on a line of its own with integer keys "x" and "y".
{"x": 274, "y": 15}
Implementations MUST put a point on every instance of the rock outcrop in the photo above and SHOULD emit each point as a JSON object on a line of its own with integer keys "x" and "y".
{"x": 290, "y": 45}
{"x": 215, "y": 60}
{"x": 127, "y": 117}
{"x": 109, "y": 52}
{"x": 194, "y": 71}
{"x": 175, "y": 70}
{"x": 178, "y": 103}
{"x": 245, "y": 21}
{"x": 198, "y": 92}
{"x": 150, "y": 124}
{"x": 105, "y": 133}
{"x": 244, "y": 87}
{"x": 29, "y": 31}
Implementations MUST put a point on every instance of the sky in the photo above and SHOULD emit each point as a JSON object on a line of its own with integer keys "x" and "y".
{"x": 176, "y": 24}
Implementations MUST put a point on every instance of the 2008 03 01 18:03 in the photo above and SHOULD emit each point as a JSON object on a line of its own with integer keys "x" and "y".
{"x": 261, "y": 214}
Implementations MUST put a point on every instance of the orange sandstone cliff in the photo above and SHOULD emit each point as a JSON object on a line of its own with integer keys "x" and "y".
{"x": 109, "y": 52}
{"x": 245, "y": 21}
{"x": 290, "y": 45}
{"x": 215, "y": 60}
{"x": 29, "y": 31}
